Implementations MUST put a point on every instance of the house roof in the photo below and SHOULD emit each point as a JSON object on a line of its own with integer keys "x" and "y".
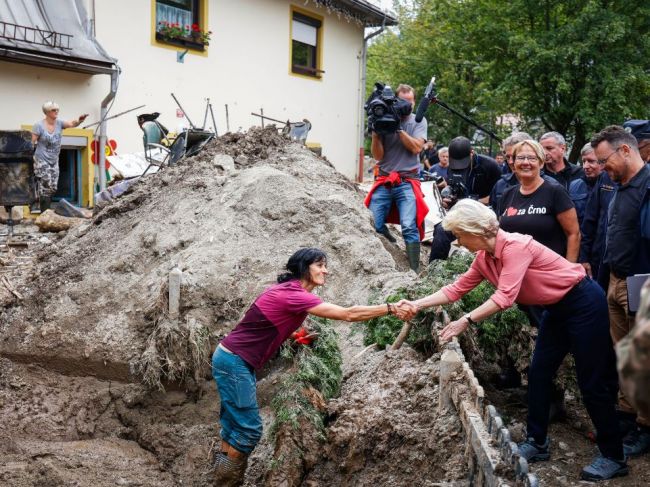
{"x": 370, "y": 14}
{"x": 51, "y": 34}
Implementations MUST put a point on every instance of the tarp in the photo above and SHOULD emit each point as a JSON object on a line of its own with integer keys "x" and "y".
{"x": 51, "y": 33}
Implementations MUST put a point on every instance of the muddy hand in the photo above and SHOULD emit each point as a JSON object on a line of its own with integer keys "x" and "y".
{"x": 405, "y": 310}
{"x": 453, "y": 329}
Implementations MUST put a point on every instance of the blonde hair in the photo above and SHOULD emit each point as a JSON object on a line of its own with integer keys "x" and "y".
{"x": 49, "y": 105}
{"x": 534, "y": 145}
{"x": 470, "y": 216}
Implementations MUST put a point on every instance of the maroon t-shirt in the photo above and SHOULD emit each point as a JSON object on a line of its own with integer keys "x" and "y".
{"x": 272, "y": 318}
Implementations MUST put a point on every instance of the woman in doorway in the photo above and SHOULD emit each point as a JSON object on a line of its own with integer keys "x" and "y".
{"x": 46, "y": 138}
{"x": 270, "y": 320}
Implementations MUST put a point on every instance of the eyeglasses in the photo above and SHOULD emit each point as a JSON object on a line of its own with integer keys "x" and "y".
{"x": 54, "y": 110}
{"x": 604, "y": 161}
{"x": 526, "y": 158}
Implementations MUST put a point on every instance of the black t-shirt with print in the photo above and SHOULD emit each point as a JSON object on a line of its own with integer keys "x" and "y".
{"x": 535, "y": 214}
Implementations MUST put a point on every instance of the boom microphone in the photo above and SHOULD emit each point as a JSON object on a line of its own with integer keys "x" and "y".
{"x": 429, "y": 96}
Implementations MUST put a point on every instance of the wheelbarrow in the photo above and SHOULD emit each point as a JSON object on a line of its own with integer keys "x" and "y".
{"x": 17, "y": 183}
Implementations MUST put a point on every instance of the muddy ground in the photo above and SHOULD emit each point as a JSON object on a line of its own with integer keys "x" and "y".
{"x": 74, "y": 410}
{"x": 98, "y": 386}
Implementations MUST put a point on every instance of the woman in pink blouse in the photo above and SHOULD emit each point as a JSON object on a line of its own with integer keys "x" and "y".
{"x": 525, "y": 271}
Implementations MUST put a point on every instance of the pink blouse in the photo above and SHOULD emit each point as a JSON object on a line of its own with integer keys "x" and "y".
{"x": 522, "y": 270}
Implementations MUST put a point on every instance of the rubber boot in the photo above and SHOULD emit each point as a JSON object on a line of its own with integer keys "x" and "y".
{"x": 45, "y": 202}
{"x": 229, "y": 466}
{"x": 413, "y": 254}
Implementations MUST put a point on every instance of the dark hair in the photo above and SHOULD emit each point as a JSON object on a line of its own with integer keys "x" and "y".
{"x": 616, "y": 136}
{"x": 299, "y": 262}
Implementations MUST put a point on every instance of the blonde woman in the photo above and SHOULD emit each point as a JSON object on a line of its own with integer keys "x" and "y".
{"x": 46, "y": 138}
{"x": 525, "y": 271}
{"x": 539, "y": 207}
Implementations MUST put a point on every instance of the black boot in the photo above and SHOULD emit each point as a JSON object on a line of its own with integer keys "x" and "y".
{"x": 413, "y": 254}
{"x": 45, "y": 202}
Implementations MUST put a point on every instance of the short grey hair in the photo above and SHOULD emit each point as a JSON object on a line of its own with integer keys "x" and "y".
{"x": 402, "y": 88}
{"x": 586, "y": 149}
{"x": 48, "y": 106}
{"x": 559, "y": 138}
{"x": 470, "y": 216}
{"x": 515, "y": 138}
{"x": 442, "y": 150}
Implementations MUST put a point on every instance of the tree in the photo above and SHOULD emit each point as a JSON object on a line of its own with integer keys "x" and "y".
{"x": 573, "y": 66}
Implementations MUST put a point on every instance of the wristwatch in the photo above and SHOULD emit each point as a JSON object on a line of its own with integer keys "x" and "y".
{"x": 469, "y": 319}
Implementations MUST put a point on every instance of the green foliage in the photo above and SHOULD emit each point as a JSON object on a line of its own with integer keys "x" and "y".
{"x": 572, "y": 66}
{"x": 317, "y": 366}
{"x": 494, "y": 336}
{"x": 384, "y": 329}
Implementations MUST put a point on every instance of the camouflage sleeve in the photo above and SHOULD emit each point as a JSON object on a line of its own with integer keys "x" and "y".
{"x": 633, "y": 353}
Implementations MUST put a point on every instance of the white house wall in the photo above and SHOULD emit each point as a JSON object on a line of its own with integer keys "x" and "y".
{"x": 247, "y": 68}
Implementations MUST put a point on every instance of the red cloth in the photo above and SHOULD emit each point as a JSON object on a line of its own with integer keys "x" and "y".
{"x": 421, "y": 208}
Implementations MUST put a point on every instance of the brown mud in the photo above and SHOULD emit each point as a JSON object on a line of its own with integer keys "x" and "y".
{"x": 99, "y": 386}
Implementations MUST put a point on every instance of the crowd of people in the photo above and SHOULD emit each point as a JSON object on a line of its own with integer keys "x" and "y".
{"x": 559, "y": 239}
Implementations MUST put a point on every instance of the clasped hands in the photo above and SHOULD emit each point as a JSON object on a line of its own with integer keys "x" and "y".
{"x": 405, "y": 310}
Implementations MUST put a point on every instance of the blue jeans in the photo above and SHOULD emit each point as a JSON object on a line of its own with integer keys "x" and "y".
{"x": 577, "y": 324}
{"x": 401, "y": 195}
{"x": 241, "y": 425}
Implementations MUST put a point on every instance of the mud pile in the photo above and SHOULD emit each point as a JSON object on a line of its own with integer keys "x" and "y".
{"x": 228, "y": 218}
{"x": 385, "y": 429}
{"x": 93, "y": 320}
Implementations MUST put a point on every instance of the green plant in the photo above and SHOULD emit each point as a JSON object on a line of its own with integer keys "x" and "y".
{"x": 192, "y": 32}
{"x": 318, "y": 367}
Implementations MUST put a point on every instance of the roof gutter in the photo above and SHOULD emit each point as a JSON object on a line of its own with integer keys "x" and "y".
{"x": 103, "y": 112}
{"x": 18, "y": 56}
{"x": 362, "y": 90}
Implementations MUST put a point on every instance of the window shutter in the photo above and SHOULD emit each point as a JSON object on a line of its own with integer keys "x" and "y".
{"x": 307, "y": 34}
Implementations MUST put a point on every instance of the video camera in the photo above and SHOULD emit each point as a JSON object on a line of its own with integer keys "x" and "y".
{"x": 385, "y": 110}
{"x": 432, "y": 176}
{"x": 455, "y": 189}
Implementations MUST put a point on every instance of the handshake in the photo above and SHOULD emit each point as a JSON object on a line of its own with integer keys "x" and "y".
{"x": 404, "y": 309}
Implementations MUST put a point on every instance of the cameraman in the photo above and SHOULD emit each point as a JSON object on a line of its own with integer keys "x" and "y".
{"x": 397, "y": 186}
{"x": 470, "y": 175}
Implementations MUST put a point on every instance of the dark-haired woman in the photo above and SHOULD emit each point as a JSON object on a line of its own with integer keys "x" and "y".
{"x": 270, "y": 320}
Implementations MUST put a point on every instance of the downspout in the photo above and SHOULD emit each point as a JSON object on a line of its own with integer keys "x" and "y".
{"x": 362, "y": 113}
{"x": 103, "y": 112}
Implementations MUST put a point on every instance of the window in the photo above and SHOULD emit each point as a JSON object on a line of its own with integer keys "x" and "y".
{"x": 305, "y": 44}
{"x": 182, "y": 23}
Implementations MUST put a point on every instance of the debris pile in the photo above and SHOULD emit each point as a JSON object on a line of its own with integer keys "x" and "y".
{"x": 93, "y": 321}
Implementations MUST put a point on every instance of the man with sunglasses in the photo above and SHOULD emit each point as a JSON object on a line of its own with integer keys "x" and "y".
{"x": 627, "y": 250}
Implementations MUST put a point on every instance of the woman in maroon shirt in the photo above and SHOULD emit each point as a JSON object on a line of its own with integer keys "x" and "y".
{"x": 270, "y": 320}
{"x": 527, "y": 272}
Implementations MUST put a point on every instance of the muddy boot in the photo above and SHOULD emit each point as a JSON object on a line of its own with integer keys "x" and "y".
{"x": 413, "y": 254}
{"x": 45, "y": 202}
{"x": 229, "y": 466}
{"x": 228, "y": 472}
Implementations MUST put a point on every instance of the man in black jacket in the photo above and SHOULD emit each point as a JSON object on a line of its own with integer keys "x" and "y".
{"x": 470, "y": 175}
{"x": 568, "y": 175}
